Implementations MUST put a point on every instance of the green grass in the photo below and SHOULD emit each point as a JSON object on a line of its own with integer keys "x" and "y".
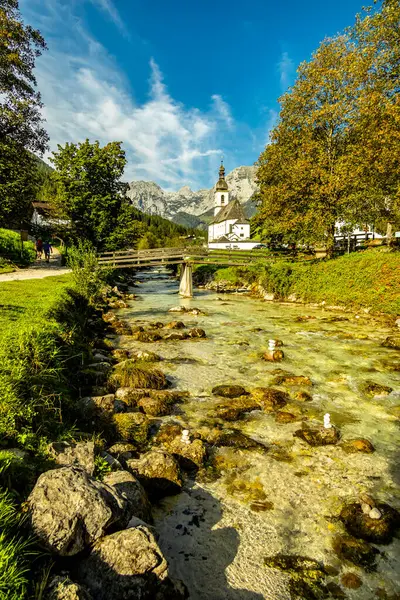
{"x": 10, "y": 248}
{"x": 25, "y": 304}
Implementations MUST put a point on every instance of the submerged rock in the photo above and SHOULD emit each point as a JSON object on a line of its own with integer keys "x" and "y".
{"x": 175, "y": 325}
{"x": 231, "y": 411}
{"x": 158, "y": 472}
{"x": 229, "y": 391}
{"x": 289, "y": 379}
{"x": 147, "y": 336}
{"x": 307, "y": 576}
{"x": 371, "y": 529}
{"x": 273, "y": 356}
{"x": 355, "y": 551}
{"x": 156, "y": 325}
{"x": 318, "y": 436}
{"x": 233, "y": 438}
{"x": 176, "y": 336}
{"x": 286, "y": 417}
{"x": 375, "y": 389}
{"x": 270, "y": 399}
{"x": 351, "y": 580}
{"x": 70, "y": 510}
{"x": 357, "y": 445}
{"x": 131, "y": 489}
{"x": 79, "y": 454}
{"x": 392, "y": 341}
{"x": 302, "y": 396}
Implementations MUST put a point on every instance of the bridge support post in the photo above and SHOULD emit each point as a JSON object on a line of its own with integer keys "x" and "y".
{"x": 186, "y": 284}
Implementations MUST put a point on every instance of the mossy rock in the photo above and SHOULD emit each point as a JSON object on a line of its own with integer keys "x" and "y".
{"x": 176, "y": 336}
{"x": 270, "y": 399}
{"x": 129, "y": 374}
{"x": 370, "y": 388}
{"x": 231, "y": 411}
{"x": 155, "y": 407}
{"x": 307, "y": 576}
{"x": 318, "y": 436}
{"x": 229, "y": 391}
{"x": 361, "y": 525}
{"x": 291, "y": 380}
{"x": 132, "y": 427}
{"x": 286, "y": 417}
{"x": 197, "y": 332}
{"x": 147, "y": 336}
{"x": 392, "y": 341}
{"x": 358, "y": 552}
{"x": 175, "y": 325}
{"x": 303, "y": 396}
{"x": 357, "y": 445}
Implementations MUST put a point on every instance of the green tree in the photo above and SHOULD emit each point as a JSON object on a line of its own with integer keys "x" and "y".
{"x": 89, "y": 189}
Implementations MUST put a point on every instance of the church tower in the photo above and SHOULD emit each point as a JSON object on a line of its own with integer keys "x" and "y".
{"x": 221, "y": 191}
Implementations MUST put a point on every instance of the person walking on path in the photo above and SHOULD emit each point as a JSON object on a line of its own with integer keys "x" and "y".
{"x": 39, "y": 249}
{"x": 47, "y": 248}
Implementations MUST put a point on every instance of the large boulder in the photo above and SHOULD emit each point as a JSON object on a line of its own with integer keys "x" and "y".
{"x": 70, "y": 510}
{"x": 126, "y": 565}
{"x": 79, "y": 454}
{"x": 131, "y": 489}
{"x": 229, "y": 391}
{"x": 61, "y": 587}
{"x": 376, "y": 524}
{"x": 158, "y": 472}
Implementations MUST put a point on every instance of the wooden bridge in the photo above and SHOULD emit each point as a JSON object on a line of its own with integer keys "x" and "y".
{"x": 186, "y": 256}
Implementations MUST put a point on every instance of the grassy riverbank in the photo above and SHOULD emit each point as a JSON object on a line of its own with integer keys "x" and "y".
{"x": 369, "y": 280}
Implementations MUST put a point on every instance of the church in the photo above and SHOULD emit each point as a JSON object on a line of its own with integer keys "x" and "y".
{"x": 229, "y": 228}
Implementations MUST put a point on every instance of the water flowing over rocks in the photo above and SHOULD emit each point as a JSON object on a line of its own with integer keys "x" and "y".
{"x": 69, "y": 510}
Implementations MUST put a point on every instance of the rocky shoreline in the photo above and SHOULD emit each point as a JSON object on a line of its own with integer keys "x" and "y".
{"x": 105, "y": 526}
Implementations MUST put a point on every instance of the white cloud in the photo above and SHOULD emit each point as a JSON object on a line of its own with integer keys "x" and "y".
{"x": 111, "y": 11}
{"x": 286, "y": 70}
{"x": 223, "y": 110}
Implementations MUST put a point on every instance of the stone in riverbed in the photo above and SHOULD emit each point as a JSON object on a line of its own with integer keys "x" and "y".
{"x": 235, "y": 409}
{"x": 229, "y": 391}
{"x": 129, "y": 395}
{"x": 158, "y": 472}
{"x": 176, "y": 336}
{"x": 302, "y": 396}
{"x": 175, "y": 325}
{"x": 177, "y": 309}
{"x": 120, "y": 353}
{"x": 156, "y": 325}
{"x": 362, "y": 525}
{"x": 131, "y": 489}
{"x": 132, "y": 427}
{"x": 69, "y": 510}
{"x": 145, "y": 356}
{"x": 273, "y": 356}
{"x": 290, "y": 379}
{"x": 122, "y": 450}
{"x": 80, "y": 454}
{"x": 197, "y": 332}
{"x": 357, "y": 445}
{"x": 233, "y": 438}
{"x": 375, "y": 389}
{"x": 392, "y": 341}
{"x": 269, "y": 398}
{"x": 318, "y": 436}
{"x": 127, "y": 565}
{"x": 147, "y": 336}
{"x": 190, "y": 453}
{"x": 286, "y": 417}
{"x": 351, "y": 581}
{"x": 155, "y": 407}
{"x": 358, "y": 552}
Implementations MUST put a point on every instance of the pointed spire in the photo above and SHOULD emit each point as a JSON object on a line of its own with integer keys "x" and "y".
{"x": 221, "y": 185}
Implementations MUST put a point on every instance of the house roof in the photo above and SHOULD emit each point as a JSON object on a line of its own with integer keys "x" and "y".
{"x": 232, "y": 211}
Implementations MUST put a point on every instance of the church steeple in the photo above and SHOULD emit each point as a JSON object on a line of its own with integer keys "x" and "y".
{"x": 221, "y": 191}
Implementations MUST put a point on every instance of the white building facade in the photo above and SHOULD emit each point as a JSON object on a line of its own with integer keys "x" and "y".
{"x": 230, "y": 225}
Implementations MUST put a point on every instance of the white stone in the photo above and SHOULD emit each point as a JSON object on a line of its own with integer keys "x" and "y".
{"x": 375, "y": 513}
{"x": 327, "y": 421}
{"x": 185, "y": 439}
{"x": 365, "y": 508}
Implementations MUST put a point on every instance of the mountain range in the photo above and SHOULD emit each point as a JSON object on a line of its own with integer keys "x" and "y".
{"x": 193, "y": 209}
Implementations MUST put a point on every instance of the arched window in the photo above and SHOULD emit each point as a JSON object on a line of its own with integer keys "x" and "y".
{"x": 222, "y": 199}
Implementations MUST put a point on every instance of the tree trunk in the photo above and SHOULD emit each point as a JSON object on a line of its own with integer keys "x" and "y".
{"x": 389, "y": 233}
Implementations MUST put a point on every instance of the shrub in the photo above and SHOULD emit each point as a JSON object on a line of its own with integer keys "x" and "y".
{"x": 86, "y": 273}
{"x": 128, "y": 374}
{"x": 10, "y": 248}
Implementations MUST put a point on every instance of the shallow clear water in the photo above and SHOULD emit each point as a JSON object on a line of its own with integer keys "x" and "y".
{"x": 212, "y": 538}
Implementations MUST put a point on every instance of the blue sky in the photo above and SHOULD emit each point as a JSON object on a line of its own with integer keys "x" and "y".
{"x": 180, "y": 83}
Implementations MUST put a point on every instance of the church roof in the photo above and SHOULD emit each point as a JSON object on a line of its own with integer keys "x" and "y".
{"x": 232, "y": 211}
{"x": 221, "y": 186}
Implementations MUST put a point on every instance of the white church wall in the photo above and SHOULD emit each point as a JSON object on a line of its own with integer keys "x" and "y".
{"x": 221, "y": 200}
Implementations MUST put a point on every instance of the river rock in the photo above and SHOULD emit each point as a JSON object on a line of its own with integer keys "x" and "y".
{"x": 233, "y": 438}
{"x": 357, "y": 445}
{"x": 109, "y": 316}
{"x": 123, "y": 450}
{"x": 147, "y": 336}
{"x": 176, "y": 336}
{"x": 155, "y": 407}
{"x": 108, "y": 403}
{"x": 375, "y": 389}
{"x": 98, "y": 357}
{"x": 286, "y": 417}
{"x": 229, "y": 391}
{"x": 361, "y": 525}
{"x": 132, "y": 427}
{"x": 273, "y": 355}
{"x": 126, "y": 565}
{"x": 177, "y": 309}
{"x": 290, "y": 379}
{"x": 69, "y": 510}
{"x": 197, "y": 332}
{"x": 355, "y": 551}
{"x": 318, "y": 436}
{"x": 269, "y": 398}
{"x": 120, "y": 353}
{"x": 236, "y": 408}
{"x": 112, "y": 462}
{"x": 170, "y": 396}
{"x": 351, "y": 581}
{"x": 121, "y": 327}
{"x": 61, "y": 587}
{"x": 144, "y": 356}
{"x": 392, "y": 341}
{"x": 158, "y": 472}
{"x": 189, "y": 452}
{"x": 302, "y": 396}
{"x": 156, "y": 325}
{"x": 175, "y": 325}
{"x": 131, "y": 489}
{"x": 79, "y": 454}
{"x": 130, "y": 395}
